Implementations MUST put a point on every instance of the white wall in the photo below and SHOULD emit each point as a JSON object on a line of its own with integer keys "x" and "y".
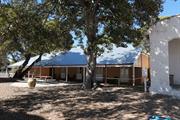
{"x": 160, "y": 35}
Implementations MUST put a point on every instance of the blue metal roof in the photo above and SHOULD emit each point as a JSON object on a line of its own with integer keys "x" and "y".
{"x": 76, "y": 57}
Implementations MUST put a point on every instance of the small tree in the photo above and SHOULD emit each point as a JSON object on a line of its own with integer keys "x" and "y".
{"x": 27, "y": 28}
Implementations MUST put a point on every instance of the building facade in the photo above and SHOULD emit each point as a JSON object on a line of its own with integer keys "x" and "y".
{"x": 118, "y": 66}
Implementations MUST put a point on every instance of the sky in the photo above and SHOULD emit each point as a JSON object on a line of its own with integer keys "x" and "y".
{"x": 171, "y": 8}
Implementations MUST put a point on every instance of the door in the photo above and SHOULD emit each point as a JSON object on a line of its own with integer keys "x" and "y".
{"x": 124, "y": 75}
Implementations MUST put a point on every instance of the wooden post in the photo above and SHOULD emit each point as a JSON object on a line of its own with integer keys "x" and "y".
{"x": 40, "y": 72}
{"x": 145, "y": 84}
{"x": 33, "y": 73}
{"x": 105, "y": 74}
{"x": 28, "y": 74}
{"x": 119, "y": 76}
{"x": 84, "y": 75}
{"x": 66, "y": 74}
{"x": 144, "y": 78}
{"x": 141, "y": 60}
{"x": 133, "y": 75}
{"x": 52, "y": 73}
{"x": 6, "y": 71}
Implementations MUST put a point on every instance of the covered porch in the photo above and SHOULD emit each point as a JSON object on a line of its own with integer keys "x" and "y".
{"x": 107, "y": 74}
{"x": 59, "y": 73}
{"x": 128, "y": 74}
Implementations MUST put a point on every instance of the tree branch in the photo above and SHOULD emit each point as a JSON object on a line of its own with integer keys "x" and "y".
{"x": 37, "y": 60}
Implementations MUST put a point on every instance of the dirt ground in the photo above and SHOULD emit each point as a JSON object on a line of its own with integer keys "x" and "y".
{"x": 72, "y": 102}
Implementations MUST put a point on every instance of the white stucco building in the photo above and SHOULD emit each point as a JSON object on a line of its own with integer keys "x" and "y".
{"x": 165, "y": 56}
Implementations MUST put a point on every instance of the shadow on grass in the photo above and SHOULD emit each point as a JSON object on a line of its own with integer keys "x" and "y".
{"x": 71, "y": 102}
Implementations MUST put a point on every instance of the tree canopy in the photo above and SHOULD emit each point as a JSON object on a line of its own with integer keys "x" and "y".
{"x": 102, "y": 22}
{"x": 27, "y": 30}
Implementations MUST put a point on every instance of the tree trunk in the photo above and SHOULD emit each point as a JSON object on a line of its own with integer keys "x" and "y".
{"x": 91, "y": 28}
{"x": 22, "y": 71}
{"x": 91, "y": 71}
{"x": 18, "y": 74}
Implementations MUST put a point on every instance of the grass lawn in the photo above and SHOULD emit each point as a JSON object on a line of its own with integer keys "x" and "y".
{"x": 71, "y": 102}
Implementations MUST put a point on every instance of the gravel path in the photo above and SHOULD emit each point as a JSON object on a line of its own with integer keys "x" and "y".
{"x": 7, "y": 91}
{"x": 71, "y": 103}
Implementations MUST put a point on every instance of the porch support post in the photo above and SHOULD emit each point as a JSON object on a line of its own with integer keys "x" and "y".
{"x": 40, "y": 71}
{"x": 52, "y": 73}
{"x": 6, "y": 71}
{"x": 119, "y": 76}
{"x": 84, "y": 75}
{"x": 133, "y": 75}
{"x": 33, "y": 73}
{"x": 105, "y": 74}
{"x": 28, "y": 74}
{"x": 66, "y": 74}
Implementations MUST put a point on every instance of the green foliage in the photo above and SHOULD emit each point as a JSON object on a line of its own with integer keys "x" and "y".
{"x": 118, "y": 20}
{"x": 25, "y": 27}
{"x": 29, "y": 26}
{"x": 104, "y": 22}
